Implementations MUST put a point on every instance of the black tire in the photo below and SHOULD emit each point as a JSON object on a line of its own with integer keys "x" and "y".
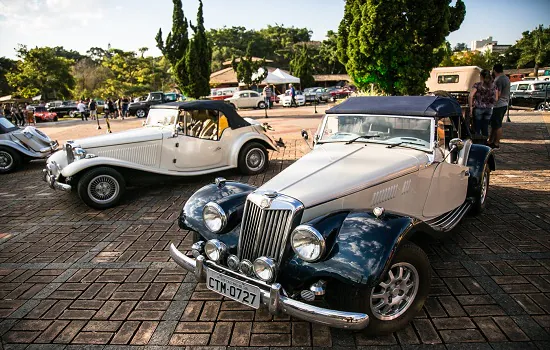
{"x": 359, "y": 299}
{"x": 141, "y": 113}
{"x": 55, "y": 119}
{"x": 10, "y": 160}
{"x": 253, "y": 159}
{"x": 104, "y": 176}
{"x": 540, "y": 107}
{"x": 262, "y": 105}
{"x": 480, "y": 197}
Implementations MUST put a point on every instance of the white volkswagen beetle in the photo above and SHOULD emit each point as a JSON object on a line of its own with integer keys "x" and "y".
{"x": 178, "y": 139}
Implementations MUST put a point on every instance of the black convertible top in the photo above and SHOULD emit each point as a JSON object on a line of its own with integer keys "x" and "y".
{"x": 234, "y": 119}
{"x": 416, "y": 106}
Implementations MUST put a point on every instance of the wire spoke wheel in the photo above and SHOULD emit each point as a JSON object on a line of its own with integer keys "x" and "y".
{"x": 103, "y": 189}
{"x": 484, "y": 187}
{"x": 6, "y": 160}
{"x": 394, "y": 295}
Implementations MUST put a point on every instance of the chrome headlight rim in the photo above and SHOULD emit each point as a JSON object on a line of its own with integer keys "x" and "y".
{"x": 316, "y": 235}
{"x": 79, "y": 153}
{"x": 220, "y": 212}
{"x": 219, "y": 248}
{"x": 267, "y": 264}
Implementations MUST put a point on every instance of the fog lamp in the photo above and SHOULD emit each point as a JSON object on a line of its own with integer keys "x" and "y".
{"x": 264, "y": 268}
{"x": 215, "y": 250}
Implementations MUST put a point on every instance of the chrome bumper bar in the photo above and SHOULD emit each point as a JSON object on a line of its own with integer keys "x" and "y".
{"x": 49, "y": 177}
{"x": 277, "y": 303}
{"x": 54, "y": 145}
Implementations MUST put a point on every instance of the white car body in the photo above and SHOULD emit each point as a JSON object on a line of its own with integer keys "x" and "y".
{"x": 164, "y": 149}
{"x": 247, "y": 99}
{"x": 286, "y": 99}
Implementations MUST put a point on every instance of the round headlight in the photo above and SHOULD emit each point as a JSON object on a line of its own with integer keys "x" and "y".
{"x": 264, "y": 268}
{"x": 214, "y": 217}
{"x": 215, "y": 250}
{"x": 307, "y": 243}
{"x": 79, "y": 153}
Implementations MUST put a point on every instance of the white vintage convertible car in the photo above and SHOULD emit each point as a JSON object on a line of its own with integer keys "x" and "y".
{"x": 331, "y": 239}
{"x": 178, "y": 139}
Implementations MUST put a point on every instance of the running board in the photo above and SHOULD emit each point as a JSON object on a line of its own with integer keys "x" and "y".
{"x": 448, "y": 221}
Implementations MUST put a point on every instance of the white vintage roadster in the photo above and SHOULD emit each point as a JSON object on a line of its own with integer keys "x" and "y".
{"x": 178, "y": 139}
{"x": 339, "y": 226}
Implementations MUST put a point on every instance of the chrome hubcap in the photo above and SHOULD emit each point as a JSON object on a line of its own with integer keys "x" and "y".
{"x": 255, "y": 159}
{"x": 393, "y": 296}
{"x": 6, "y": 160}
{"x": 103, "y": 189}
{"x": 140, "y": 113}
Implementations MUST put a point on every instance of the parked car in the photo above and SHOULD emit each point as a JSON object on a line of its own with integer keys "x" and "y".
{"x": 532, "y": 94}
{"x": 339, "y": 92}
{"x": 178, "y": 139}
{"x": 53, "y": 104}
{"x": 398, "y": 171}
{"x": 141, "y": 107}
{"x": 20, "y": 145}
{"x": 66, "y": 108}
{"x": 457, "y": 81}
{"x": 317, "y": 94}
{"x": 246, "y": 99}
{"x": 286, "y": 99}
{"x": 41, "y": 114}
{"x": 516, "y": 77}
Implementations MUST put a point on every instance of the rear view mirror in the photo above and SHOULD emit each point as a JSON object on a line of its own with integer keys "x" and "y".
{"x": 305, "y": 135}
{"x": 456, "y": 145}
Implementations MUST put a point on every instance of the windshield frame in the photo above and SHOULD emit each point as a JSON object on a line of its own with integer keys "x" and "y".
{"x": 171, "y": 125}
{"x": 374, "y": 140}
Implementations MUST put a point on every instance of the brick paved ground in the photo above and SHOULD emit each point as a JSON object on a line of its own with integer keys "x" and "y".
{"x": 71, "y": 276}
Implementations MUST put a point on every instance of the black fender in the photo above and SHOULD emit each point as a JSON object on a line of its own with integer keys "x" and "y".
{"x": 359, "y": 248}
{"x": 478, "y": 156}
{"x": 230, "y": 196}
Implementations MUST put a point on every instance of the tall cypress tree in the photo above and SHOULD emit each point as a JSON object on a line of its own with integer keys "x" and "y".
{"x": 176, "y": 46}
{"x": 203, "y": 53}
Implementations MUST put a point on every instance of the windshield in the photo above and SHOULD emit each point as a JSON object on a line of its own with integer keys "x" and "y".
{"x": 7, "y": 125}
{"x": 410, "y": 131}
{"x": 161, "y": 117}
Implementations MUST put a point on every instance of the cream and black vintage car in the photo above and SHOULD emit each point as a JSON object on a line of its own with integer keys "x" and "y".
{"x": 177, "y": 139}
{"x": 331, "y": 238}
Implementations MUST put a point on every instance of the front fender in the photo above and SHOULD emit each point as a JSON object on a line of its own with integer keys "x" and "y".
{"x": 359, "y": 251}
{"x": 477, "y": 158}
{"x": 239, "y": 142}
{"x": 231, "y": 197}
{"x": 16, "y": 145}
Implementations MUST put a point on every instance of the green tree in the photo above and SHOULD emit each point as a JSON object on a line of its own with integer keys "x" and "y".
{"x": 328, "y": 62}
{"x": 6, "y": 65}
{"x": 301, "y": 67}
{"x": 198, "y": 60}
{"x": 176, "y": 45}
{"x": 247, "y": 68}
{"x": 534, "y": 48}
{"x": 395, "y": 44}
{"x": 40, "y": 71}
{"x": 460, "y": 47}
{"x": 89, "y": 77}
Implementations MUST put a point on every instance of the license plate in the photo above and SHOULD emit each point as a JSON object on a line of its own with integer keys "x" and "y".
{"x": 230, "y": 287}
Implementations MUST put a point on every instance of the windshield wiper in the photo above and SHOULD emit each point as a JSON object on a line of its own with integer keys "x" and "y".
{"x": 361, "y": 137}
{"x": 404, "y": 143}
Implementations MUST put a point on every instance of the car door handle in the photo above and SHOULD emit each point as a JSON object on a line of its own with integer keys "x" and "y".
{"x": 466, "y": 172}
{"x": 217, "y": 149}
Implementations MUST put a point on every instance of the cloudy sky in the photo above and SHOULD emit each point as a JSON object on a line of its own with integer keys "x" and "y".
{"x": 131, "y": 24}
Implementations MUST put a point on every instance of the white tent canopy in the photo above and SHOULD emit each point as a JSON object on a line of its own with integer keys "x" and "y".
{"x": 280, "y": 77}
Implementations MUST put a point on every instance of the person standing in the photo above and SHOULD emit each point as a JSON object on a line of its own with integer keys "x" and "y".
{"x": 125, "y": 103}
{"x": 292, "y": 96}
{"x": 111, "y": 108}
{"x": 267, "y": 96}
{"x": 92, "y": 106}
{"x": 29, "y": 114}
{"x": 21, "y": 114}
{"x": 483, "y": 97}
{"x": 502, "y": 83}
{"x": 81, "y": 107}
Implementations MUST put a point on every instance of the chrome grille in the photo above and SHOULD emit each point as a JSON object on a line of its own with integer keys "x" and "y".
{"x": 264, "y": 231}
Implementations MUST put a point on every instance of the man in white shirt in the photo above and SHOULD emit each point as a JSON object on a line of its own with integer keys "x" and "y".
{"x": 81, "y": 107}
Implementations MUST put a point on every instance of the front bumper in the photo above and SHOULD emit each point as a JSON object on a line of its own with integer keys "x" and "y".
{"x": 277, "y": 303}
{"x": 54, "y": 145}
{"x": 49, "y": 175}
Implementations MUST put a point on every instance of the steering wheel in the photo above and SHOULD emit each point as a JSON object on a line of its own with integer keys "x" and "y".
{"x": 412, "y": 140}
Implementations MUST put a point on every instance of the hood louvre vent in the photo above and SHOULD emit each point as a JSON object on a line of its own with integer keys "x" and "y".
{"x": 384, "y": 195}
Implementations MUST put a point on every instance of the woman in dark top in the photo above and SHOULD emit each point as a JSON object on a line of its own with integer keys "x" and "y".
{"x": 483, "y": 97}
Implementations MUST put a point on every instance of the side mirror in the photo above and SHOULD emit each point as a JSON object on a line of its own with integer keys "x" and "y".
{"x": 456, "y": 145}
{"x": 305, "y": 135}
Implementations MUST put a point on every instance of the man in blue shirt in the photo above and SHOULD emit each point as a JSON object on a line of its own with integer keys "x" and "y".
{"x": 292, "y": 96}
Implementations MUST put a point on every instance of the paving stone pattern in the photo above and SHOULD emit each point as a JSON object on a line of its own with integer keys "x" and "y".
{"x": 71, "y": 276}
